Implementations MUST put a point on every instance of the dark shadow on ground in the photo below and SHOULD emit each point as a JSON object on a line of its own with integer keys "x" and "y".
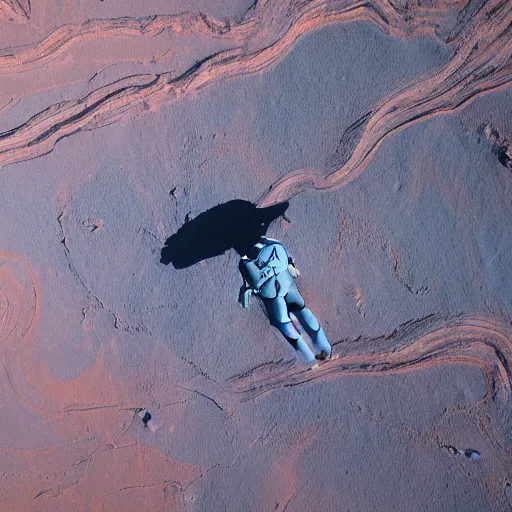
{"x": 234, "y": 225}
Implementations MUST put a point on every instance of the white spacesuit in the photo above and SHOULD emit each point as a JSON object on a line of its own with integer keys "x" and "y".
{"x": 269, "y": 272}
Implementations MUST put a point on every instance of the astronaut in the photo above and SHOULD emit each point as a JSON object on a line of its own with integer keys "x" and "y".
{"x": 268, "y": 272}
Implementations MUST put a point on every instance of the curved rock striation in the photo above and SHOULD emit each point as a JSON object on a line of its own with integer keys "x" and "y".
{"x": 263, "y": 37}
{"x": 481, "y": 63}
{"x": 471, "y": 339}
{"x": 18, "y": 301}
{"x": 15, "y": 9}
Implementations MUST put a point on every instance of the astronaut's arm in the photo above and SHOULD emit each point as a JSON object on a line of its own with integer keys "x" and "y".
{"x": 244, "y": 296}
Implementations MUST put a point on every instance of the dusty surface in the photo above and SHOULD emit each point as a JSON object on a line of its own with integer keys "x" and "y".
{"x": 387, "y": 125}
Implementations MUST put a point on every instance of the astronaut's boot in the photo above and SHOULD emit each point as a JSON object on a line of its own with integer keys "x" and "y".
{"x": 321, "y": 343}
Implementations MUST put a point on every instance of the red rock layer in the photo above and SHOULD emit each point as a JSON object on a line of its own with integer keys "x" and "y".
{"x": 263, "y": 37}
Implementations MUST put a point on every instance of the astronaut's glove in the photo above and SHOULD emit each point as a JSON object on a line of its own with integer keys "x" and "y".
{"x": 294, "y": 271}
{"x": 244, "y": 297}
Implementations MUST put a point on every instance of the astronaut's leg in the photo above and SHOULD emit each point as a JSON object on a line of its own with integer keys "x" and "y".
{"x": 315, "y": 332}
{"x": 308, "y": 320}
{"x": 279, "y": 318}
{"x": 297, "y": 342}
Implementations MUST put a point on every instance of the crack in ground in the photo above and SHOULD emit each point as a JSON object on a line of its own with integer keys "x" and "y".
{"x": 118, "y": 323}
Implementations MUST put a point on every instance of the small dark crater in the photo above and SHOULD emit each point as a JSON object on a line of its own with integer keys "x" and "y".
{"x": 472, "y": 454}
{"x": 501, "y": 146}
{"x": 146, "y": 418}
{"x": 505, "y": 156}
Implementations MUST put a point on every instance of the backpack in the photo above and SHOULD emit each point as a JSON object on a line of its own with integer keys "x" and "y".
{"x": 269, "y": 259}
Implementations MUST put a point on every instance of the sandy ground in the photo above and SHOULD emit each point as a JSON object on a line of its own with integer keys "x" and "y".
{"x": 385, "y": 126}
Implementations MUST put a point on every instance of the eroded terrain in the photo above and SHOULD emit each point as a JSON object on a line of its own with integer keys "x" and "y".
{"x": 385, "y": 124}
